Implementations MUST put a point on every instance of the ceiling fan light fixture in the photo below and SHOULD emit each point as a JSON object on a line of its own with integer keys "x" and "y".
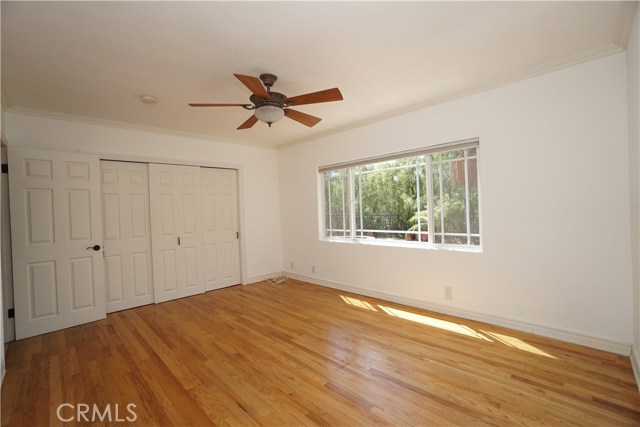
{"x": 269, "y": 113}
{"x": 269, "y": 107}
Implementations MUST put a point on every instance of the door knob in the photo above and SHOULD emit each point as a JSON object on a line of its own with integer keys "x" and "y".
{"x": 94, "y": 247}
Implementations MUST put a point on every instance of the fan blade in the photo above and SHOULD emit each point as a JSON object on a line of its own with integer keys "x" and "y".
{"x": 305, "y": 119}
{"x": 328, "y": 95}
{"x": 249, "y": 122}
{"x": 220, "y": 105}
{"x": 254, "y": 85}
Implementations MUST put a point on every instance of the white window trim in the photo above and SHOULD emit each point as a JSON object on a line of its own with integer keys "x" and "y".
{"x": 449, "y": 146}
{"x": 404, "y": 244}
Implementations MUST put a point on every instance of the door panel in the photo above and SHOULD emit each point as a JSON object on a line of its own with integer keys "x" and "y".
{"x": 141, "y": 271}
{"x": 188, "y": 215}
{"x": 43, "y": 288}
{"x": 79, "y": 214}
{"x": 230, "y": 256}
{"x": 111, "y": 216}
{"x": 191, "y": 263}
{"x": 176, "y": 225}
{"x": 211, "y": 265}
{"x": 127, "y": 233}
{"x": 56, "y": 220}
{"x": 140, "y": 227}
{"x": 81, "y": 273}
{"x": 168, "y": 276}
{"x": 220, "y": 212}
{"x": 39, "y": 215}
{"x": 113, "y": 276}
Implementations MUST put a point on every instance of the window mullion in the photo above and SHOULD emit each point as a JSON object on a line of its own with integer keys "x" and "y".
{"x": 361, "y": 210}
{"x": 419, "y": 231}
{"x": 466, "y": 196}
{"x": 343, "y": 205}
{"x": 440, "y": 185}
{"x": 430, "y": 226}
{"x": 328, "y": 182}
{"x": 352, "y": 202}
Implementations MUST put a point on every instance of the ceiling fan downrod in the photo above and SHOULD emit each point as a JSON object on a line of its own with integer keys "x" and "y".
{"x": 268, "y": 80}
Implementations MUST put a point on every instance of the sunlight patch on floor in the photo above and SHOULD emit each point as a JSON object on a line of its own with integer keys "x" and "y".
{"x": 430, "y": 321}
{"x": 446, "y": 325}
{"x": 517, "y": 343}
{"x": 358, "y": 303}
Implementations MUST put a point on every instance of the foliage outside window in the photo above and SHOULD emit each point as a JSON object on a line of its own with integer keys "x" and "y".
{"x": 429, "y": 198}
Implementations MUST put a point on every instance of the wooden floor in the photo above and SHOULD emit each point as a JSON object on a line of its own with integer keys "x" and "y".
{"x": 298, "y": 354}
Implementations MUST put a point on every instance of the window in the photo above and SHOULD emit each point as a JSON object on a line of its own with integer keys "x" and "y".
{"x": 429, "y": 197}
{"x": 336, "y": 203}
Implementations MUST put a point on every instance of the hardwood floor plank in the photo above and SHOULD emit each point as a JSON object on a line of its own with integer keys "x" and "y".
{"x": 297, "y": 354}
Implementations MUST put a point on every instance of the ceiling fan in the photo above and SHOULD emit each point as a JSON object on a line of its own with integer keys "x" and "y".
{"x": 269, "y": 107}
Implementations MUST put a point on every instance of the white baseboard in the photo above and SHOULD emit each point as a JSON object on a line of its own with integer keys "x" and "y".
{"x": 255, "y": 279}
{"x": 546, "y": 331}
{"x": 635, "y": 364}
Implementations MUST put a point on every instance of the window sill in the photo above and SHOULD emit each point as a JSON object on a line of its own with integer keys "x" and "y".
{"x": 402, "y": 244}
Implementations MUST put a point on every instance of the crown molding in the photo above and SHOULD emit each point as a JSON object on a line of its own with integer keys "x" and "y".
{"x": 129, "y": 126}
{"x": 589, "y": 55}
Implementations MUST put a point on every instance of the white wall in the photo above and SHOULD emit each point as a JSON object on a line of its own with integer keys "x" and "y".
{"x": 259, "y": 172}
{"x": 633, "y": 91}
{"x": 554, "y": 178}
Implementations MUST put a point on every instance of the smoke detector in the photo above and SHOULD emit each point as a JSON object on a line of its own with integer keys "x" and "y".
{"x": 148, "y": 99}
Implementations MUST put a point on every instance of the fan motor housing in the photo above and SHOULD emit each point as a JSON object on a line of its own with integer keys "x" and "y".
{"x": 277, "y": 99}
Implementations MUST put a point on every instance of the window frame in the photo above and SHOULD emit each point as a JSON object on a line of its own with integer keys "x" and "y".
{"x": 353, "y": 233}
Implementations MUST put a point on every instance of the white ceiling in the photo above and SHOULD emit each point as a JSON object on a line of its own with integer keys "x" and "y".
{"x": 93, "y": 60}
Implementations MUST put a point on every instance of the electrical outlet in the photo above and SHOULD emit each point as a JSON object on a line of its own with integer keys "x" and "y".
{"x": 313, "y": 268}
{"x": 291, "y": 265}
{"x": 448, "y": 292}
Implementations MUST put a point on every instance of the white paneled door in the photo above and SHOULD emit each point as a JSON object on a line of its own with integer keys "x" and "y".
{"x": 176, "y": 227}
{"x": 127, "y": 234}
{"x": 57, "y": 240}
{"x": 220, "y": 227}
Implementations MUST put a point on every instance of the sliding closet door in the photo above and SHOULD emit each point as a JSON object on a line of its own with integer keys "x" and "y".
{"x": 176, "y": 227}
{"x": 220, "y": 234}
{"x": 127, "y": 234}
